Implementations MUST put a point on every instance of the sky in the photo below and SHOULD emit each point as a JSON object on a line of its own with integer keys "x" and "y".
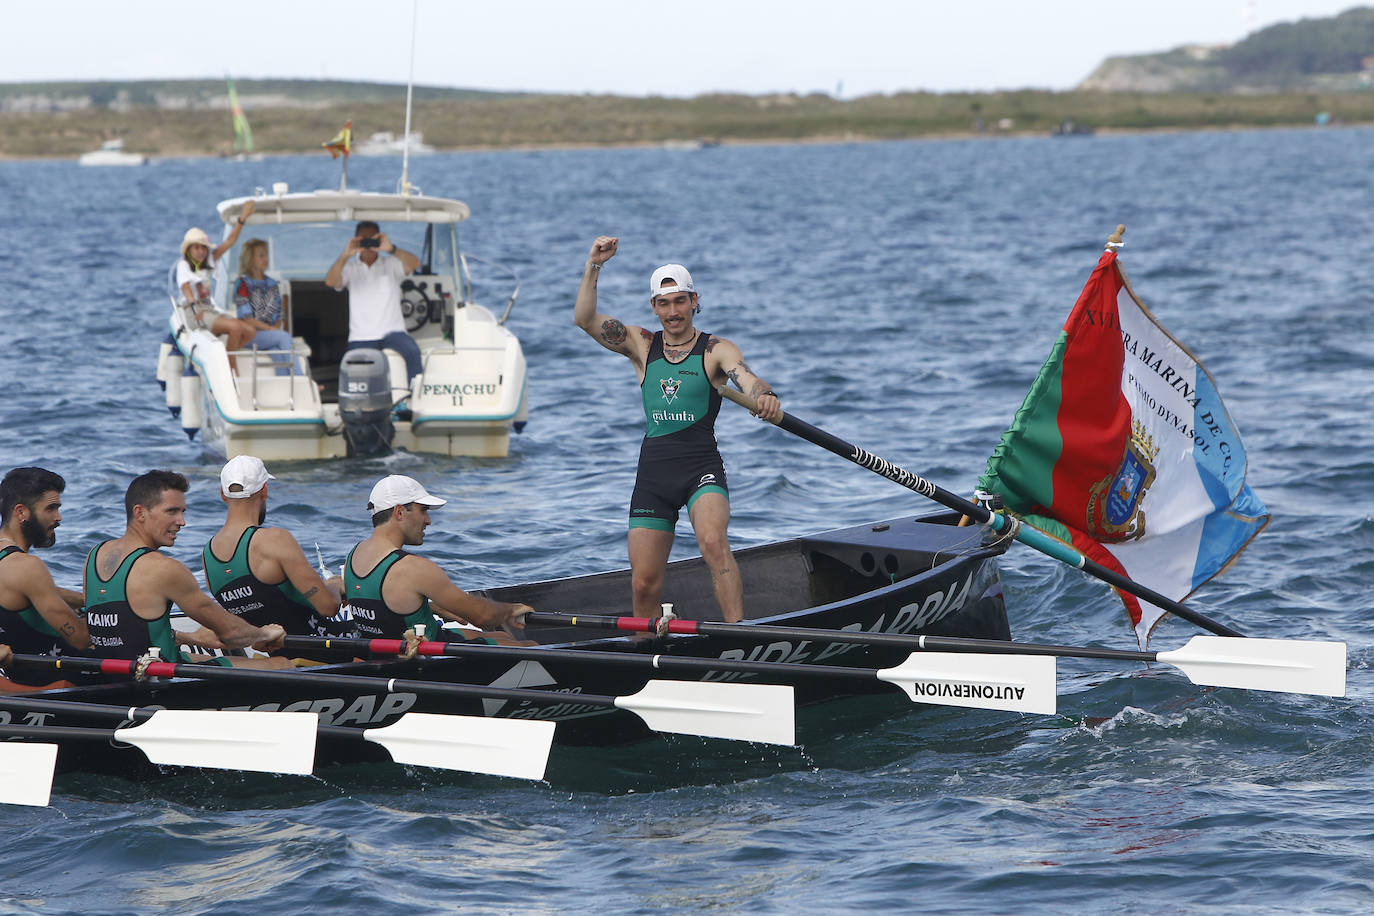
{"x": 845, "y": 48}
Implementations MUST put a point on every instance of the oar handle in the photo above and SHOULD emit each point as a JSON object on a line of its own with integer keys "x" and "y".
{"x": 1026, "y": 534}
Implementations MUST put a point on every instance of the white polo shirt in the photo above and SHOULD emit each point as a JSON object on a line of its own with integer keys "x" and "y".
{"x": 374, "y": 297}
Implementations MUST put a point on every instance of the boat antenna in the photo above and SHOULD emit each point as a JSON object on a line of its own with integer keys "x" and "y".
{"x": 405, "y": 186}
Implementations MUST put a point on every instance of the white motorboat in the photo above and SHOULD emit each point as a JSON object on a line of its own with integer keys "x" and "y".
{"x": 385, "y": 143}
{"x": 111, "y": 152}
{"x": 326, "y": 401}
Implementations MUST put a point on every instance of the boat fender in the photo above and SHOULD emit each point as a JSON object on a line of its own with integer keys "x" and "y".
{"x": 190, "y": 405}
{"x": 163, "y": 351}
{"x": 174, "y": 366}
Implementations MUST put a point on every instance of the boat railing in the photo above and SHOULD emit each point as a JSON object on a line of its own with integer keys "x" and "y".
{"x": 275, "y": 359}
{"x": 509, "y": 271}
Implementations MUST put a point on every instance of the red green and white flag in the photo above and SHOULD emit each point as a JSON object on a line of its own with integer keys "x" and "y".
{"x": 1124, "y": 449}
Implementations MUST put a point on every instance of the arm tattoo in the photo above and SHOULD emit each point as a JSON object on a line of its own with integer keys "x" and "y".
{"x": 711, "y": 343}
{"x": 646, "y": 334}
{"x": 307, "y": 595}
{"x": 744, "y": 367}
{"x": 733, "y": 375}
{"x": 613, "y": 332}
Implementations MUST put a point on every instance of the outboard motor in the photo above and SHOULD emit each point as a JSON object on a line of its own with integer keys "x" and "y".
{"x": 365, "y": 402}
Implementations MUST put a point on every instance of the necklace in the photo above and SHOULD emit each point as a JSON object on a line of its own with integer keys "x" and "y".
{"x": 679, "y": 346}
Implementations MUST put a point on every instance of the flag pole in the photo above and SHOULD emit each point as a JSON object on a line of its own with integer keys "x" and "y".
{"x": 1003, "y": 524}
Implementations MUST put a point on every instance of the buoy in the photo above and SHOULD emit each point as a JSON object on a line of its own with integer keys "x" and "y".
{"x": 190, "y": 405}
{"x": 163, "y": 351}
{"x": 174, "y": 365}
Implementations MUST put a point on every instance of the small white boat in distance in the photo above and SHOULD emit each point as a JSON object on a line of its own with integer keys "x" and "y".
{"x": 111, "y": 152}
{"x": 326, "y": 401}
{"x": 385, "y": 143}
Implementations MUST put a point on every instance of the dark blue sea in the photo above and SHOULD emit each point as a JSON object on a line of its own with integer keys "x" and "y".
{"x": 900, "y": 295}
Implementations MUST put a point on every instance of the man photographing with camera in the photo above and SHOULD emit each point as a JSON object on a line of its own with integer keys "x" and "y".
{"x": 371, "y": 268}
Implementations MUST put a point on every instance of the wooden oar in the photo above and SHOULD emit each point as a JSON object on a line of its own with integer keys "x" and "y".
{"x": 740, "y": 712}
{"x": 469, "y": 744}
{"x": 1026, "y": 534}
{"x": 1281, "y": 665}
{"x": 973, "y": 681}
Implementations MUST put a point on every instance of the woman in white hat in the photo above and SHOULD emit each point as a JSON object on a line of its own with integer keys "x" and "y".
{"x": 194, "y": 268}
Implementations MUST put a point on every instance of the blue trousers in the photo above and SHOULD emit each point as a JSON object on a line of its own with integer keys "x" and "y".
{"x": 399, "y": 341}
{"x": 276, "y": 340}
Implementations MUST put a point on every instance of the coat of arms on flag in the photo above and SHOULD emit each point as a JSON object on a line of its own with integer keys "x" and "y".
{"x": 1124, "y": 449}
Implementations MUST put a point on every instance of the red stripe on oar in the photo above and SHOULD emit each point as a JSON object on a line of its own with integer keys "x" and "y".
{"x": 386, "y": 646}
{"x": 430, "y": 648}
{"x": 116, "y": 666}
{"x": 683, "y": 626}
{"x": 159, "y": 669}
{"x": 636, "y": 624}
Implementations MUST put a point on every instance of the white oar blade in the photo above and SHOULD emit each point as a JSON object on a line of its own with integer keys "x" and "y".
{"x": 1017, "y": 683}
{"x": 473, "y": 744}
{"x": 26, "y": 772}
{"x": 738, "y": 712}
{"x": 265, "y": 742}
{"x": 1283, "y": 665}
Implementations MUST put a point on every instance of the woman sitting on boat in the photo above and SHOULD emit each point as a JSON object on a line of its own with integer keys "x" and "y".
{"x": 194, "y": 269}
{"x": 259, "y": 301}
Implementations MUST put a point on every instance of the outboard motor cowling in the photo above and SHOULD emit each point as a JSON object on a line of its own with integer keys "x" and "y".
{"x": 365, "y": 401}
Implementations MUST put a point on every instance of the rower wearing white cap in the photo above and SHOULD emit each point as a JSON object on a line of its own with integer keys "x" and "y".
{"x": 679, "y": 370}
{"x": 261, "y": 573}
{"x": 391, "y": 591}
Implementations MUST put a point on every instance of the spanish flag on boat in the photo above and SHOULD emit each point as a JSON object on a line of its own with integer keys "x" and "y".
{"x": 342, "y": 142}
{"x": 1124, "y": 449}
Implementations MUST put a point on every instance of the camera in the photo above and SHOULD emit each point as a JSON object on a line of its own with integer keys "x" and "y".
{"x": 370, "y": 243}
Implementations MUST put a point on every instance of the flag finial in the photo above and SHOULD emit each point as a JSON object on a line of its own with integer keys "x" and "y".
{"x": 1114, "y": 240}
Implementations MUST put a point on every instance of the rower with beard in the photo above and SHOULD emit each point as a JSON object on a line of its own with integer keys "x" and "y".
{"x": 36, "y": 616}
{"x": 261, "y": 573}
{"x": 680, "y": 369}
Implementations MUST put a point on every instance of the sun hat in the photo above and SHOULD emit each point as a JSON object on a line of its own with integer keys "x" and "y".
{"x": 399, "y": 490}
{"x": 247, "y": 473}
{"x": 194, "y": 236}
{"x": 682, "y": 281}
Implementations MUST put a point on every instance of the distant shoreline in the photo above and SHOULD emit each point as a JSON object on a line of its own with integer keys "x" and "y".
{"x": 591, "y": 122}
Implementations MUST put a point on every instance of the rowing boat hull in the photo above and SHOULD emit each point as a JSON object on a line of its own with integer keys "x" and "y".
{"x": 907, "y": 575}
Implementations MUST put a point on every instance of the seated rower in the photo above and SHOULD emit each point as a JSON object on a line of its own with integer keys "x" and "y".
{"x": 36, "y": 617}
{"x": 132, "y": 587}
{"x": 260, "y": 574}
{"x": 385, "y": 606}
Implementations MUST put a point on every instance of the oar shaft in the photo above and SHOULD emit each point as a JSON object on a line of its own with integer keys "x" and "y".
{"x": 363, "y": 683}
{"x": 23, "y": 703}
{"x": 767, "y": 632}
{"x": 58, "y": 732}
{"x": 590, "y": 657}
{"x": 1026, "y": 534}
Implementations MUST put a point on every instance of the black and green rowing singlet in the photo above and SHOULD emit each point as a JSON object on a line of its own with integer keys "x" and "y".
{"x": 678, "y": 459}
{"x": 24, "y": 629}
{"x": 680, "y": 403}
{"x": 372, "y": 618}
{"x": 116, "y": 631}
{"x": 245, "y": 595}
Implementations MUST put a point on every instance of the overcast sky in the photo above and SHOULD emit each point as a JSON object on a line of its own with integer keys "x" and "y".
{"x": 626, "y": 47}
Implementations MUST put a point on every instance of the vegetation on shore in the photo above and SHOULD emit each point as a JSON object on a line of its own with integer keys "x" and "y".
{"x": 494, "y": 122}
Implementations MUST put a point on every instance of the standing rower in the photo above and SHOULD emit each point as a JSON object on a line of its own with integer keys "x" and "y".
{"x": 679, "y": 370}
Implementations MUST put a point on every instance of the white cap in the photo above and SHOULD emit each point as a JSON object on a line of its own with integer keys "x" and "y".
{"x": 398, "y": 490}
{"x": 194, "y": 236}
{"x": 246, "y": 472}
{"x": 682, "y": 281}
